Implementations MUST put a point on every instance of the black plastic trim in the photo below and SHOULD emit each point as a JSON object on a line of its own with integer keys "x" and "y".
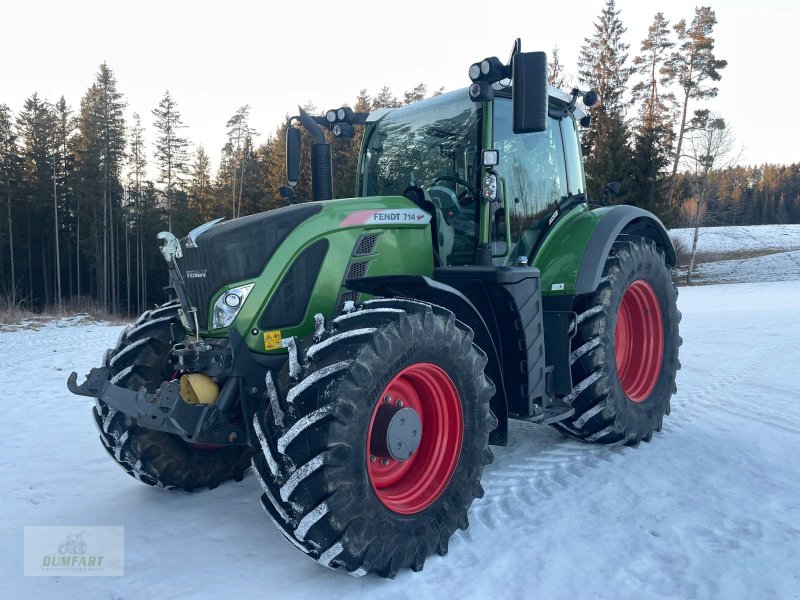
{"x": 622, "y": 219}
{"x": 289, "y": 303}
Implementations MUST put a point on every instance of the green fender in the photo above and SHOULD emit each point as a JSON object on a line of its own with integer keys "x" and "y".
{"x": 572, "y": 256}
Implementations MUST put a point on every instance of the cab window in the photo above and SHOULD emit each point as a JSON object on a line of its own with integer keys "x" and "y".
{"x": 532, "y": 165}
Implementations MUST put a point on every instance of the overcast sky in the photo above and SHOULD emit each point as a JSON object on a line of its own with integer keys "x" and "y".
{"x": 217, "y": 56}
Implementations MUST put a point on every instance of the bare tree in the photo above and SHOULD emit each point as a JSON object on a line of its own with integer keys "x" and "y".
{"x": 710, "y": 145}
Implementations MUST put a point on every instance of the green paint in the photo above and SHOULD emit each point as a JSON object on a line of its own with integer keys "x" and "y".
{"x": 402, "y": 249}
{"x": 560, "y": 255}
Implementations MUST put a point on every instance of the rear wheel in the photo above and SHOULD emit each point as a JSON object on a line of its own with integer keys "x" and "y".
{"x": 625, "y": 352}
{"x": 156, "y": 458}
{"x": 371, "y": 458}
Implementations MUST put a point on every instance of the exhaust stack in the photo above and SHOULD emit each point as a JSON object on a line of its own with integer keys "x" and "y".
{"x": 321, "y": 162}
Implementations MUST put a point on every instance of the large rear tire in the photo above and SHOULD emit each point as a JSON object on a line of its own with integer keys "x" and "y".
{"x": 331, "y": 485}
{"x": 139, "y": 359}
{"x": 625, "y": 351}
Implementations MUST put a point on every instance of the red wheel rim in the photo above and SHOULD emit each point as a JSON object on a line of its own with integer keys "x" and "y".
{"x": 639, "y": 337}
{"x": 410, "y": 486}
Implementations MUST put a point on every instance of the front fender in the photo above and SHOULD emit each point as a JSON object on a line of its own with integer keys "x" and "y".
{"x": 573, "y": 254}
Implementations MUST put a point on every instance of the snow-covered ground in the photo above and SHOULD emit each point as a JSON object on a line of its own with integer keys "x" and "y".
{"x": 709, "y": 509}
{"x": 741, "y": 239}
{"x": 780, "y": 266}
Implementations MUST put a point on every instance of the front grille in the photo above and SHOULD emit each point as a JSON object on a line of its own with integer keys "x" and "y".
{"x": 235, "y": 251}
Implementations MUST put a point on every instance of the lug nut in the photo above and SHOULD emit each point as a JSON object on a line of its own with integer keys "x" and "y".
{"x": 372, "y": 459}
{"x": 399, "y": 403}
{"x": 384, "y": 461}
{"x": 387, "y": 398}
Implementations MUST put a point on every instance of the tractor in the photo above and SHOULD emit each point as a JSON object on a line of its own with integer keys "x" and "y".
{"x": 362, "y": 354}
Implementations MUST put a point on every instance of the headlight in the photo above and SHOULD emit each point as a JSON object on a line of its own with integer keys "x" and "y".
{"x": 228, "y": 304}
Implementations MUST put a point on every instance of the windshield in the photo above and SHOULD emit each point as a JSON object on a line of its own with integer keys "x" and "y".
{"x": 432, "y": 145}
{"x": 416, "y": 144}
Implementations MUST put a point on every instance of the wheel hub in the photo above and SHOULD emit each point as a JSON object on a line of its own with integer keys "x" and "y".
{"x": 409, "y": 471}
{"x": 396, "y": 433}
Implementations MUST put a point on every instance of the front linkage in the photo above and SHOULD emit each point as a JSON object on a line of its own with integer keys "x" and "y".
{"x": 166, "y": 410}
{"x": 163, "y": 410}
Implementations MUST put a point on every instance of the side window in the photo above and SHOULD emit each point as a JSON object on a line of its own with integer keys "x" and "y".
{"x": 572, "y": 150}
{"x": 533, "y": 167}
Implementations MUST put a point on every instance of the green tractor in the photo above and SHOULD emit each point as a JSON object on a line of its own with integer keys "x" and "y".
{"x": 362, "y": 354}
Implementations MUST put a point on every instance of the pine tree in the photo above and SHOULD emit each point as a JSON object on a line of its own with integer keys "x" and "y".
{"x": 171, "y": 150}
{"x": 65, "y": 155}
{"x": 238, "y": 152}
{"x": 10, "y": 176}
{"x": 653, "y": 135}
{"x": 200, "y": 184}
{"x": 415, "y": 94}
{"x": 602, "y": 68}
{"x": 100, "y": 153}
{"x": 137, "y": 163}
{"x": 36, "y": 126}
{"x": 385, "y": 99}
{"x": 555, "y": 72}
{"x": 692, "y": 65}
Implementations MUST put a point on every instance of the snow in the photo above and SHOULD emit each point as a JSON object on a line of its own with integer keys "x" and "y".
{"x": 747, "y": 238}
{"x": 709, "y": 509}
{"x": 781, "y": 266}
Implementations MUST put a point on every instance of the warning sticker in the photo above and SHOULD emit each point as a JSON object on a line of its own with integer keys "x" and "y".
{"x": 272, "y": 340}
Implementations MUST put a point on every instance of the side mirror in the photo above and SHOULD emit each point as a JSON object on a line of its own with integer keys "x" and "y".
{"x": 529, "y": 92}
{"x": 293, "y": 155}
{"x": 611, "y": 189}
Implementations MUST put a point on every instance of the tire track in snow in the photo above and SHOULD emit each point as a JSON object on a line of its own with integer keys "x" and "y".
{"x": 729, "y": 378}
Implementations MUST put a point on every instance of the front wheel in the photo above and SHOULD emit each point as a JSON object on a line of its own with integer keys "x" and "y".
{"x": 625, "y": 352}
{"x": 372, "y": 455}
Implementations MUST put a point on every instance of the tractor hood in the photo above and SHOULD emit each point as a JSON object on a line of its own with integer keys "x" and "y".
{"x": 234, "y": 251}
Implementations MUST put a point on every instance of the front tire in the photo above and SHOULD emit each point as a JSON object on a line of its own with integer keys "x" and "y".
{"x": 157, "y": 458}
{"x": 625, "y": 352}
{"x": 338, "y": 494}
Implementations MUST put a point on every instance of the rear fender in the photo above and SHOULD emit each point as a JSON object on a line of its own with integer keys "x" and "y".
{"x": 573, "y": 254}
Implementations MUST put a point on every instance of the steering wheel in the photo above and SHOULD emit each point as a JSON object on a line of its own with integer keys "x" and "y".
{"x": 458, "y": 180}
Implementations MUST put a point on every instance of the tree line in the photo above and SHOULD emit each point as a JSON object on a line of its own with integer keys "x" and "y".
{"x": 82, "y": 210}
{"x": 81, "y": 213}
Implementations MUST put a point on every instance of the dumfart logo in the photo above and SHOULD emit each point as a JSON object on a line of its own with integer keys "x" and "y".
{"x": 85, "y": 551}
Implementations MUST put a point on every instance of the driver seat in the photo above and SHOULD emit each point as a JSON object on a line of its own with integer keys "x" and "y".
{"x": 445, "y": 203}
{"x": 442, "y": 232}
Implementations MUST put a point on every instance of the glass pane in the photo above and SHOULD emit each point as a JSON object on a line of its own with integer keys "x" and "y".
{"x": 533, "y": 167}
{"x": 572, "y": 150}
{"x": 416, "y": 145}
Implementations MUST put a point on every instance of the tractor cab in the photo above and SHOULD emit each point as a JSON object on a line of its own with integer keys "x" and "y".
{"x": 432, "y": 152}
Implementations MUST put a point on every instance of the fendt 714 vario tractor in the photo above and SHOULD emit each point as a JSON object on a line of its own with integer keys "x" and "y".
{"x": 362, "y": 354}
